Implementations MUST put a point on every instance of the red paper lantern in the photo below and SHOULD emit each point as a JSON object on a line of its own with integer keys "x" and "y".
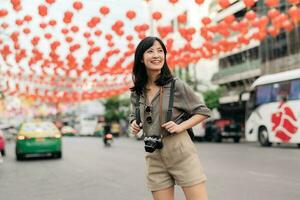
{"x": 294, "y": 1}
{"x": 108, "y": 37}
{"x": 250, "y": 15}
{"x": 43, "y": 10}
{"x": 43, "y": 25}
{"x": 98, "y": 32}
{"x": 199, "y": 2}
{"x": 273, "y": 31}
{"x": 173, "y": 1}
{"x": 182, "y": 18}
{"x": 130, "y": 14}
{"x": 74, "y": 29}
{"x": 248, "y": 3}
{"x": 27, "y": 18}
{"x": 48, "y": 36}
{"x": 52, "y": 22}
{"x": 64, "y": 30}
{"x": 273, "y": 13}
{"x": 156, "y": 15}
{"x": 287, "y": 25}
{"x": 104, "y": 10}
{"x": 272, "y": 3}
{"x": 206, "y": 21}
{"x": 3, "y": 13}
{"x": 77, "y": 5}
{"x": 224, "y": 3}
{"x": 294, "y": 13}
{"x": 229, "y": 19}
{"x": 26, "y": 31}
{"x": 50, "y": 1}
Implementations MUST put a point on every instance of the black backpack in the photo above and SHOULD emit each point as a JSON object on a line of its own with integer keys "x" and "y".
{"x": 182, "y": 117}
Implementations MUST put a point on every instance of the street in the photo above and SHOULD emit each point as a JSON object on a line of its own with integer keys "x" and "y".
{"x": 90, "y": 171}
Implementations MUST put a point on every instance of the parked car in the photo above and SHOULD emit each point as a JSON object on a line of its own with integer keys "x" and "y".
{"x": 38, "y": 138}
{"x": 2, "y": 144}
{"x": 199, "y": 131}
{"x": 218, "y": 129}
{"x": 68, "y": 131}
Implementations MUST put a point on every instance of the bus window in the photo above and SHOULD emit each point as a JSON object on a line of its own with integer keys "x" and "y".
{"x": 295, "y": 90}
{"x": 280, "y": 90}
{"x": 263, "y": 94}
{"x": 250, "y": 105}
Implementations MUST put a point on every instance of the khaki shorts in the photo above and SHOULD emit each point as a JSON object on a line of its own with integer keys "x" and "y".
{"x": 176, "y": 163}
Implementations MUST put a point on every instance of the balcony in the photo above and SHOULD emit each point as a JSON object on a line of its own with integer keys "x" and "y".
{"x": 249, "y": 69}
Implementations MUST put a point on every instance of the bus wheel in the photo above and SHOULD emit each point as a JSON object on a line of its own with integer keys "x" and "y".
{"x": 263, "y": 137}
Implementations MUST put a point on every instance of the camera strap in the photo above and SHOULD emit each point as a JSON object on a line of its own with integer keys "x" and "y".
{"x": 170, "y": 106}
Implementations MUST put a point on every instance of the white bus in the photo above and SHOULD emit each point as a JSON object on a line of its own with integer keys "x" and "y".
{"x": 273, "y": 109}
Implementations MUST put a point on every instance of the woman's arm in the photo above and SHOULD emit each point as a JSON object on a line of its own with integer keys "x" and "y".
{"x": 172, "y": 127}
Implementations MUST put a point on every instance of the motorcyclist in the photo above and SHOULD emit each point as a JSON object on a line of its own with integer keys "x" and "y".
{"x": 106, "y": 132}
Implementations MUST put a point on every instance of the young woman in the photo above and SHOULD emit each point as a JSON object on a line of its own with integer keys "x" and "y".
{"x": 177, "y": 162}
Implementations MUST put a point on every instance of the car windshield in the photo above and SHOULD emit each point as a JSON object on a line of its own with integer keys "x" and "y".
{"x": 45, "y": 128}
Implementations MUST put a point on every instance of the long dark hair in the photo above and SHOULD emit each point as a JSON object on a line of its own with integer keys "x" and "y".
{"x": 139, "y": 73}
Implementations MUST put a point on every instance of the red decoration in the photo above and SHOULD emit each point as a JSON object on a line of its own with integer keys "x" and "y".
{"x": 104, "y": 10}
{"x": 43, "y": 11}
{"x": 206, "y": 21}
{"x": 74, "y": 29}
{"x": 294, "y": 1}
{"x": 52, "y": 22}
{"x": 250, "y": 15}
{"x": 248, "y": 3}
{"x": 156, "y": 16}
{"x": 182, "y": 18}
{"x": 130, "y": 14}
{"x": 3, "y": 13}
{"x": 273, "y": 13}
{"x": 50, "y": 1}
{"x": 27, "y": 18}
{"x": 224, "y": 3}
{"x": 173, "y": 1}
{"x": 77, "y": 5}
{"x": 272, "y": 3}
{"x": 199, "y": 2}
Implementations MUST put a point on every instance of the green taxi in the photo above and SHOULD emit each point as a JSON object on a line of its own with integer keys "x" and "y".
{"x": 38, "y": 138}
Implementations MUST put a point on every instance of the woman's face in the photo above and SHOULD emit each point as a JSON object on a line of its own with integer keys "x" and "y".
{"x": 154, "y": 57}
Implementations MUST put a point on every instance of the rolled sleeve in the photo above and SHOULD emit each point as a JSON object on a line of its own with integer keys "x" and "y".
{"x": 189, "y": 101}
{"x": 132, "y": 107}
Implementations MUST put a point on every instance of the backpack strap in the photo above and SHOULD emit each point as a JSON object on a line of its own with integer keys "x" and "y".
{"x": 171, "y": 101}
{"x": 137, "y": 110}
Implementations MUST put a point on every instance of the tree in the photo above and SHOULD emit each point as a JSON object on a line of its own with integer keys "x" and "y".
{"x": 116, "y": 109}
{"x": 211, "y": 98}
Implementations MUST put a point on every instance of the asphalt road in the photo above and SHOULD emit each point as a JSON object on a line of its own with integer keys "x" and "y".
{"x": 89, "y": 171}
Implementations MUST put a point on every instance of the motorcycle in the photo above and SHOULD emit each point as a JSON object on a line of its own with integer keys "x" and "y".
{"x": 108, "y": 139}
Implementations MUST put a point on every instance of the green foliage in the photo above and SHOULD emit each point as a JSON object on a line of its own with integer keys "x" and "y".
{"x": 211, "y": 98}
{"x": 116, "y": 109}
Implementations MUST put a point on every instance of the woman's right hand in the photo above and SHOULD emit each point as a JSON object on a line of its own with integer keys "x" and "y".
{"x": 135, "y": 128}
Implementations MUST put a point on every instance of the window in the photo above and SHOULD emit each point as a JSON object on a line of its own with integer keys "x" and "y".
{"x": 280, "y": 90}
{"x": 263, "y": 94}
{"x": 295, "y": 90}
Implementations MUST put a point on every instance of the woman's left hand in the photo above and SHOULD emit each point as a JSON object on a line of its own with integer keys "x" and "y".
{"x": 172, "y": 127}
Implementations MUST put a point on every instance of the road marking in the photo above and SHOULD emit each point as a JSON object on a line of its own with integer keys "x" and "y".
{"x": 261, "y": 174}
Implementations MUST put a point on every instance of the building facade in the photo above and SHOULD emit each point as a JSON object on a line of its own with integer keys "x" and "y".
{"x": 239, "y": 68}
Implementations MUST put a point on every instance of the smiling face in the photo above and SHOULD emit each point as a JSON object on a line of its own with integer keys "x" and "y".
{"x": 154, "y": 57}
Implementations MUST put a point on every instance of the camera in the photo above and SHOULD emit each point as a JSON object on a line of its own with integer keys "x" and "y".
{"x": 152, "y": 143}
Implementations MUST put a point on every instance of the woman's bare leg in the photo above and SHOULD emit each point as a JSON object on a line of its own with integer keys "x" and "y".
{"x": 195, "y": 192}
{"x": 165, "y": 194}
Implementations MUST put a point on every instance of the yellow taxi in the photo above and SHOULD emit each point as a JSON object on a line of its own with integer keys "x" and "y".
{"x": 38, "y": 138}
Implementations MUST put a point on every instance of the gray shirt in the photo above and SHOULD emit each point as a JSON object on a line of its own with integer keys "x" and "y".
{"x": 185, "y": 101}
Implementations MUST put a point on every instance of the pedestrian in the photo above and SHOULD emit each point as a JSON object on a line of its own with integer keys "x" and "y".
{"x": 174, "y": 159}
